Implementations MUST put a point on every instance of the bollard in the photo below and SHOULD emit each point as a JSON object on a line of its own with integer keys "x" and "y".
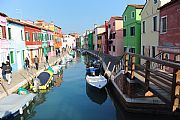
{"x": 21, "y": 111}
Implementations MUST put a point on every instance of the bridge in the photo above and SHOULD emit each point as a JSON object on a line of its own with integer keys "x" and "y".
{"x": 154, "y": 82}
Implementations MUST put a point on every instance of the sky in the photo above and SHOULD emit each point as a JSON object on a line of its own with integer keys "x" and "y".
{"x": 70, "y": 15}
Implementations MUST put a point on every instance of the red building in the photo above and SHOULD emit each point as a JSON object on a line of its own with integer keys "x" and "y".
{"x": 33, "y": 41}
{"x": 169, "y": 39}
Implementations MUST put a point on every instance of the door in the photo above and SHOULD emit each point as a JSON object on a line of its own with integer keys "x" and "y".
{"x": 19, "y": 61}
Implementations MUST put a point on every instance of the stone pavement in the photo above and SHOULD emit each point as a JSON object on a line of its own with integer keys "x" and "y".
{"x": 21, "y": 77}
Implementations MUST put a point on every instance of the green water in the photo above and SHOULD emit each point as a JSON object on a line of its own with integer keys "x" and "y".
{"x": 75, "y": 100}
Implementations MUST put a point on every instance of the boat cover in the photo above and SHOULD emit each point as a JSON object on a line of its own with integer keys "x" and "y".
{"x": 44, "y": 77}
{"x": 12, "y": 103}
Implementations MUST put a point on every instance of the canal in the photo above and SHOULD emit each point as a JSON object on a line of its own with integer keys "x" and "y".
{"x": 74, "y": 99}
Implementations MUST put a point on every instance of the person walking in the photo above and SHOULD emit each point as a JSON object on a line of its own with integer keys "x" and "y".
{"x": 3, "y": 67}
{"x": 8, "y": 72}
{"x": 46, "y": 58}
{"x": 36, "y": 61}
{"x": 27, "y": 63}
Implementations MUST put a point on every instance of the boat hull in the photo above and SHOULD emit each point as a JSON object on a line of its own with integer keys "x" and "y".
{"x": 96, "y": 81}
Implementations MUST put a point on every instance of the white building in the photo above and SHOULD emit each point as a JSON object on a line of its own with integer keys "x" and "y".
{"x": 68, "y": 41}
{"x": 150, "y": 27}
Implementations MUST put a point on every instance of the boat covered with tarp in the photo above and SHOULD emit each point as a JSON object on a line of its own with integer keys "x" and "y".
{"x": 43, "y": 80}
{"x": 13, "y": 104}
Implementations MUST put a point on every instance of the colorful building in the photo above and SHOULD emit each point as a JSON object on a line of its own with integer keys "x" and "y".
{"x": 90, "y": 40}
{"x": 68, "y": 42}
{"x": 150, "y": 27}
{"x": 17, "y": 48}
{"x": 132, "y": 28}
{"x": 33, "y": 41}
{"x": 51, "y": 50}
{"x": 170, "y": 28}
{"x": 115, "y": 36}
{"x": 4, "y": 43}
{"x": 97, "y": 31}
{"x": 57, "y": 38}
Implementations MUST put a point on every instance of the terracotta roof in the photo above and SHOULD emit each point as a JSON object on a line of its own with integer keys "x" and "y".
{"x": 117, "y": 17}
{"x": 169, "y": 3}
{"x": 2, "y": 14}
{"x": 138, "y": 6}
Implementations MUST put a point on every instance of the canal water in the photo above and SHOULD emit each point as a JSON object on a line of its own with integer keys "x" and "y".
{"x": 74, "y": 99}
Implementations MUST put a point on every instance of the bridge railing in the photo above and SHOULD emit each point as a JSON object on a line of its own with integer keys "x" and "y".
{"x": 168, "y": 84}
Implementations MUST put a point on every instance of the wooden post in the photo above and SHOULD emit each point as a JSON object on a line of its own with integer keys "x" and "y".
{"x": 126, "y": 63}
{"x": 147, "y": 74}
{"x": 132, "y": 66}
{"x": 163, "y": 58}
{"x": 175, "y": 90}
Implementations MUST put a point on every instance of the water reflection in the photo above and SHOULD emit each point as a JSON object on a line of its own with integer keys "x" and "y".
{"x": 98, "y": 96}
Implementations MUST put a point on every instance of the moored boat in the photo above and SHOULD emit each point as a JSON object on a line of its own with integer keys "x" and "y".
{"x": 96, "y": 81}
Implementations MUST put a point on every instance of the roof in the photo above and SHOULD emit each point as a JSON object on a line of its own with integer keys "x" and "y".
{"x": 137, "y": 6}
{"x": 2, "y": 14}
{"x": 117, "y": 17}
{"x": 101, "y": 26}
{"x": 167, "y": 4}
{"x": 17, "y": 21}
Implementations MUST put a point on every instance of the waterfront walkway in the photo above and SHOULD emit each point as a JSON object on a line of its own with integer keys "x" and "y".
{"x": 22, "y": 76}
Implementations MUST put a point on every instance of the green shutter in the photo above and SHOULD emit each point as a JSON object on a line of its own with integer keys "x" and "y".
{"x": 11, "y": 57}
{"x": 23, "y": 54}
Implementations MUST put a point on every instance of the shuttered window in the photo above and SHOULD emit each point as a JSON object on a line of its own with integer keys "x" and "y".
{"x": 11, "y": 57}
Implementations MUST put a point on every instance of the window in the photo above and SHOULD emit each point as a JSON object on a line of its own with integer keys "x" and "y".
{"x": 124, "y": 32}
{"x": 132, "y": 31}
{"x": 99, "y": 37}
{"x": 113, "y": 23}
{"x": 132, "y": 50}
{"x": 11, "y": 57}
{"x": 109, "y": 48}
{"x": 9, "y": 33}
{"x": 34, "y": 36}
{"x": 153, "y": 51}
{"x": 21, "y": 35}
{"x": 163, "y": 24}
{"x": 144, "y": 26}
{"x": 113, "y": 35}
{"x": 143, "y": 51}
{"x": 125, "y": 48}
{"x": 113, "y": 48}
{"x": 132, "y": 14}
{"x": 1, "y": 35}
{"x": 125, "y": 18}
{"x": 23, "y": 54}
{"x": 155, "y": 23}
{"x": 109, "y": 26}
{"x": 2, "y": 32}
{"x": 27, "y": 36}
{"x": 155, "y": 1}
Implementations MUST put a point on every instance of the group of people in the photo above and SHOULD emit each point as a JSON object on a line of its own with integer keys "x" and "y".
{"x": 6, "y": 71}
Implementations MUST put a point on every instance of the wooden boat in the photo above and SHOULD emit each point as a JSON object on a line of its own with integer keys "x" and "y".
{"x": 43, "y": 80}
{"x": 14, "y": 104}
{"x": 96, "y": 81}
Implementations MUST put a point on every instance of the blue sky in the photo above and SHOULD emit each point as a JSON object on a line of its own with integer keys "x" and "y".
{"x": 71, "y": 15}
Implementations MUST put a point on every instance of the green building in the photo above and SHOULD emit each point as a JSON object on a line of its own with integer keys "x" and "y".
{"x": 132, "y": 29}
{"x": 90, "y": 41}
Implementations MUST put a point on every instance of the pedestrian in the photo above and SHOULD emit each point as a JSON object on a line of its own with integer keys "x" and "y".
{"x": 59, "y": 52}
{"x": 46, "y": 58}
{"x": 27, "y": 63}
{"x": 8, "y": 72}
{"x": 36, "y": 61}
{"x": 3, "y": 67}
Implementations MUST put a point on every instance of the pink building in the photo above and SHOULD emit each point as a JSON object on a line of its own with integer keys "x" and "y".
{"x": 4, "y": 43}
{"x": 115, "y": 36}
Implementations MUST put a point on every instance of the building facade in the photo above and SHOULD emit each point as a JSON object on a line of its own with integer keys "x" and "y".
{"x": 150, "y": 27}
{"x": 132, "y": 28}
{"x": 170, "y": 28}
{"x": 17, "y": 49}
{"x": 115, "y": 36}
{"x": 90, "y": 40}
{"x": 4, "y": 44}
